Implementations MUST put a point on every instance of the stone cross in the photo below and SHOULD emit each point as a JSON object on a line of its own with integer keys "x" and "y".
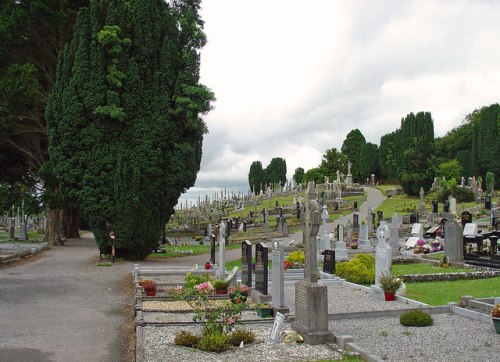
{"x": 311, "y": 228}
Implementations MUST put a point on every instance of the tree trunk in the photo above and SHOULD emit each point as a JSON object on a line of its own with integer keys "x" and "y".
{"x": 53, "y": 235}
{"x": 71, "y": 218}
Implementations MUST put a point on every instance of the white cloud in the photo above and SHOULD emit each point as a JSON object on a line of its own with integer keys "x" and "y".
{"x": 292, "y": 78}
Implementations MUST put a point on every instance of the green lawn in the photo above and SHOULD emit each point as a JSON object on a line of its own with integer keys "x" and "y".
{"x": 442, "y": 292}
{"x": 424, "y": 268}
{"x": 197, "y": 250}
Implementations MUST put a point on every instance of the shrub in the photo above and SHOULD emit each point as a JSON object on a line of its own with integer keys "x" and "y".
{"x": 186, "y": 339}
{"x": 214, "y": 342}
{"x": 190, "y": 280}
{"x": 416, "y": 318}
{"x": 296, "y": 256}
{"x": 360, "y": 269}
{"x": 462, "y": 194}
{"x": 220, "y": 284}
{"x": 241, "y": 335}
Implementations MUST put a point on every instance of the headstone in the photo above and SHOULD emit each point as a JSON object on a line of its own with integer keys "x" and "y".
{"x": 279, "y": 321}
{"x": 394, "y": 239}
{"x": 12, "y": 228}
{"x": 278, "y": 275}
{"x": 487, "y": 202}
{"x": 446, "y": 206}
{"x": 471, "y": 229}
{"x": 329, "y": 261}
{"x": 453, "y": 205}
{"x": 364, "y": 241}
{"x": 261, "y": 268}
{"x": 453, "y": 241}
{"x": 466, "y": 218}
{"x": 383, "y": 254}
{"x": 212, "y": 249}
{"x": 341, "y": 246}
{"x": 222, "y": 246}
{"x": 435, "y": 207}
{"x": 369, "y": 221}
{"x": 246, "y": 263}
{"x": 421, "y": 206}
{"x": 348, "y": 231}
{"x": 311, "y": 301}
{"x": 417, "y": 233}
{"x": 355, "y": 221}
{"x": 380, "y": 216}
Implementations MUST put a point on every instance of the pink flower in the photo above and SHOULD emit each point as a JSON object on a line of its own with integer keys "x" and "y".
{"x": 205, "y": 287}
{"x": 179, "y": 289}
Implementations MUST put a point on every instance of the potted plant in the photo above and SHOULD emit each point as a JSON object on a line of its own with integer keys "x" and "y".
{"x": 264, "y": 310}
{"x": 149, "y": 287}
{"x": 389, "y": 284}
{"x": 220, "y": 286}
{"x": 495, "y": 315}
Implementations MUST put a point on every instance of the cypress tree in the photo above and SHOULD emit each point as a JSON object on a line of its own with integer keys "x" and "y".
{"x": 124, "y": 120}
{"x": 255, "y": 177}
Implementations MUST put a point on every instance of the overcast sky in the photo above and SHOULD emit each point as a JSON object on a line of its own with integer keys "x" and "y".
{"x": 292, "y": 78}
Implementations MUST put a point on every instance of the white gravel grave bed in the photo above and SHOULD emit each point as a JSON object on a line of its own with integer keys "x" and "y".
{"x": 165, "y": 317}
{"x": 344, "y": 298}
{"x": 451, "y": 338}
{"x": 159, "y": 346}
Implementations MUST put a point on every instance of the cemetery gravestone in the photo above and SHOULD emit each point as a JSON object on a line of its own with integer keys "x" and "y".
{"x": 355, "y": 221}
{"x": 311, "y": 302}
{"x": 434, "y": 207}
{"x": 487, "y": 202}
{"x": 329, "y": 261}
{"x": 453, "y": 242}
{"x": 341, "y": 247}
{"x": 364, "y": 241}
{"x": 222, "y": 247}
{"x": 466, "y": 218}
{"x": 453, "y": 205}
{"x": 212, "y": 249}
{"x": 246, "y": 263}
{"x": 278, "y": 275}
{"x": 394, "y": 238}
{"x": 383, "y": 256}
{"x": 325, "y": 239}
{"x": 261, "y": 268}
{"x": 417, "y": 233}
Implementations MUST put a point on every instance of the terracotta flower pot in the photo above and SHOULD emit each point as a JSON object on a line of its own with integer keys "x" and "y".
{"x": 150, "y": 293}
{"x": 220, "y": 291}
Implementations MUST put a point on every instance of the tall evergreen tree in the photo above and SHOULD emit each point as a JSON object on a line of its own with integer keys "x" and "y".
{"x": 32, "y": 33}
{"x": 275, "y": 173}
{"x": 350, "y": 147}
{"x": 124, "y": 119}
{"x": 298, "y": 176}
{"x": 367, "y": 160}
{"x": 255, "y": 177}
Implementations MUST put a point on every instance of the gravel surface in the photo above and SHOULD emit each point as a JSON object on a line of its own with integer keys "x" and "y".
{"x": 451, "y": 338}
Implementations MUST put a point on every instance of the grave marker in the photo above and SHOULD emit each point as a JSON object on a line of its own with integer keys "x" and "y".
{"x": 453, "y": 241}
{"x": 278, "y": 274}
{"x": 383, "y": 256}
{"x": 246, "y": 263}
{"x": 364, "y": 241}
{"x": 329, "y": 261}
{"x": 261, "y": 268}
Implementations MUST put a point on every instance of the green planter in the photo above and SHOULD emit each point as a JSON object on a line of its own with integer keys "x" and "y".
{"x": 496, "y": 323}
{"x": 264, "y": 312}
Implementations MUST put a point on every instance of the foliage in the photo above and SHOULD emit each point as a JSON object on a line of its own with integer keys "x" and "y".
{"x": 149, "y": 285}
{"x": 449, "y": 170}
{"x": 214, "y": 342}
{"x": 495, "y": 312}
{"x": 351, "y": 148}
{"x": 389, "y": 283}
{"x": 217, "y": 320}
{"x": 360, "y": 270}
{"x": 275, "y": 173}
{"x": 220, "y": 284}
{"x": 416, "y": 318}
{"x": 186, "y": 339}
{"x": 124, "y": 119}
{"x": 367, "y": 162}
{"x": 255, "y": 177}
{"x": 296, "y": 256}
{"x": 241, "y": 335}
{"x": 239, "y": 294}
{"x": 332, "y": 161}
{"x": 190, "y": 279}
{"x": 490, "y": 183}
{"x": 461, "y": 194}
{"x": 298, "y": 176}
{"x": 314, "y": 174}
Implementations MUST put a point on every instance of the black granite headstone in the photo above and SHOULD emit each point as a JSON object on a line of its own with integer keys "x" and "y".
{"x": 298, "y": 210}
{"x": 380, "y": 216}
{"x": 355, "y": 205}
{"x": 466, "y": 218}
{"x": 446, "y": 206}
{"x": 212, "y": 249}
{"x": 246, "y": 263}
{"x": 487, "y": 202}
{"x": 355, "y": 221}
{"x": 335, "y": 206}
{"x": 261, "y": 268}
{"x": 329, "y": 261}
{"x": 434, "y": 207}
